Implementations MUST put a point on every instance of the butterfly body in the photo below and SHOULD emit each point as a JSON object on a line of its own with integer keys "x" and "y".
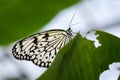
{"x": 41, "y": 48}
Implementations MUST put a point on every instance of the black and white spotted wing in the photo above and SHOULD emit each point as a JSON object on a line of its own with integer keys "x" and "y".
{"x": 41, "y": 48}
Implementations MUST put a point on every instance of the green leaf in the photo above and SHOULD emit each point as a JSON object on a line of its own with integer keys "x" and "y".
{"x": 19, "y": 18}
{"x": 81, "y": 60}
{"x": 119, "y": 78}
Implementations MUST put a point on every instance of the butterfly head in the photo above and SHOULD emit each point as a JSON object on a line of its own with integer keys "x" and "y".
{"x": 69, "y": 31}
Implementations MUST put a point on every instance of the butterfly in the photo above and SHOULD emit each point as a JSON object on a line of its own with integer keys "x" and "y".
{"x": 41, "y": 48}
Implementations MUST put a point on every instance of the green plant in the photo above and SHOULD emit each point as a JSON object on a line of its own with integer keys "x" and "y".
{"x": 81, "y": 60}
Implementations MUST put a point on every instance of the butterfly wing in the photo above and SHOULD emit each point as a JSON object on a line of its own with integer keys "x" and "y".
{"x": 41, "y": 48}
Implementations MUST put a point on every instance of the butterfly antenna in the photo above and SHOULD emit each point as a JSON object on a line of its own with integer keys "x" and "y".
{"x": 75, "y": 24}
{"x": 72, "y": 19}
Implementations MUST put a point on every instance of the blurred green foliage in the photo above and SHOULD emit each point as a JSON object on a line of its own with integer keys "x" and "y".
{"x": 19, "y": 18}
{"x": 81, "y": 60}
{"x": 119, "y": 78}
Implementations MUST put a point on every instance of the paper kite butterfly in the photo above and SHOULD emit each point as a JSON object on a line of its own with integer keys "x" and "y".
{"x": 41, "y": 48}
